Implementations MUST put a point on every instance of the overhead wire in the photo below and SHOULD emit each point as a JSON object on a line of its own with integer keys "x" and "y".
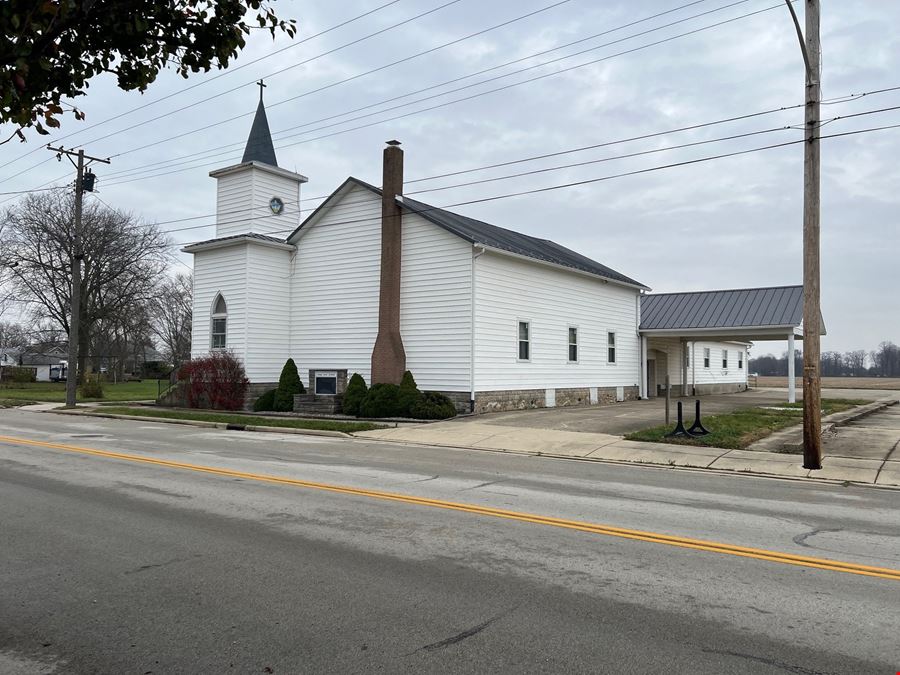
{"x": 224, "y": 150}
{"x": 201, "y": 83}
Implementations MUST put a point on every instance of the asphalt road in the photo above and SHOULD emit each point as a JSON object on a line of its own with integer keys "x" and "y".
{"x": 110, "y": 565}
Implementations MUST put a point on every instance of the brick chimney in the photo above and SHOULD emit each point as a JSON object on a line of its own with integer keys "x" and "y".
{"x": 388, "y": 355}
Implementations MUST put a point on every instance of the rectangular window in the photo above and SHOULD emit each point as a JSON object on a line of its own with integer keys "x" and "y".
{"x": 740, "y": 360}
{"x": 610, "y": 347}
{"x": 706, "y": 357}
{"x": 573, "y": 344}
{"x": 218, "y": 333}
{"x": 524, "y": 341}
{"x": 724, "y": 359}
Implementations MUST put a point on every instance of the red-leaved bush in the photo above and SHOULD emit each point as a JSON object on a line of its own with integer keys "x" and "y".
{"x": 216, "y": 381}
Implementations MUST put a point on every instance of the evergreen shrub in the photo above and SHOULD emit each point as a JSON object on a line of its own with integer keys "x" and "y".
{"x": 382, "y": 400}
{"x": 433, "y": 406}
{"x": 408, "y": 394}
{"x": 265, "y": 402}
{"x": 288, "y": 384}
{"x": 92, "y": 388}
{"x": 354, "y": 394}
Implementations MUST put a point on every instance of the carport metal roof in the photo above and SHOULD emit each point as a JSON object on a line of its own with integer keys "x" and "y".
{"x": 735, "y": 314}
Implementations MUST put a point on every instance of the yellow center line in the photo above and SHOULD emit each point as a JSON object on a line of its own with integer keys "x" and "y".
{"x": 593, "y": 528}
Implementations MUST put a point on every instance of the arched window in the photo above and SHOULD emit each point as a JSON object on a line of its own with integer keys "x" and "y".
{"x": 219, "y": 324}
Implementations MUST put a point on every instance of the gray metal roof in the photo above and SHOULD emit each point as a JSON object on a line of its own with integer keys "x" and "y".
{"x": 736, "y": 308}
{"x": 481, "y": 233}
{"x": 259, "y": 144}
{"x": 243, "y": 235}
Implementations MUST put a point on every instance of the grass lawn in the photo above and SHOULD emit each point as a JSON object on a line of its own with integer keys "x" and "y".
{"x": 56, "y": 391}
{"x": 252, "y": 420}
{"x": 738, "y": 429}
{"x": 14, "y": 402}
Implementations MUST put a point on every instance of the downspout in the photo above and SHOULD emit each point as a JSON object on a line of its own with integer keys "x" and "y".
{"x": 693, "y": 367}
{"x": 642, "y": 357}
{"x": 476, "y": 255}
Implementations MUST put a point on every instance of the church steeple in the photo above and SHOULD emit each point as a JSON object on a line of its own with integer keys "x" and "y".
{"x": 259, "y": 146}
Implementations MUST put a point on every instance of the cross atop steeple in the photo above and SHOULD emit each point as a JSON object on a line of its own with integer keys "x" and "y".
{"x": 259, "y": 146}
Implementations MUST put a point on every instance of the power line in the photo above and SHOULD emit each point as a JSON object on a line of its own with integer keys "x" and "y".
{"x": 635, "y": 172}
{"x": 417, "y": 55}
{"x": 282, "y": 70}
{"x": 220, "y": 151}
{"x": 137, "y": 173}
{"x": 229, "y": 71}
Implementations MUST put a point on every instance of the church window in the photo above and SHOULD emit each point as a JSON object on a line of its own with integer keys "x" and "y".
{"x": 219, "y": 324}
{"x": 524, "y": 341}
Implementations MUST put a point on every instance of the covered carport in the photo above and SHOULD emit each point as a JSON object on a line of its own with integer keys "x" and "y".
{"x": 693, "y": 320}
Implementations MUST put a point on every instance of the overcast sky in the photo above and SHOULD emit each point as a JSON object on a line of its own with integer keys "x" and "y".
{"x": 728, "y": 223}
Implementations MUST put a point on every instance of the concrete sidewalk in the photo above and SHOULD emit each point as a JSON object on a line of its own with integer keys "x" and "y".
{"x": 604, "y": 447}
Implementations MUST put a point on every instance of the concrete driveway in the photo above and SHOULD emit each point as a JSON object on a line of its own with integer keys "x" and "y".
{"x": 875, "y": 436}
{"x": 623, "y": 418}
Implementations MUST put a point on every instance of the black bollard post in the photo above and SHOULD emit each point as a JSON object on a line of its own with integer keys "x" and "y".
{"x": 697, "y": 428}
{"x": 679, "y": 427}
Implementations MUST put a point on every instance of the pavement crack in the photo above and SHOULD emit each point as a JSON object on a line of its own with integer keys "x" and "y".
{"x": 481, "y": 485}
{"x": 424, "y": 480}
{"x": 787, "y": 667}
{"x": 459, "y": 637}
{"x": 144, "y": 568}
{"x": 801, "y": 538}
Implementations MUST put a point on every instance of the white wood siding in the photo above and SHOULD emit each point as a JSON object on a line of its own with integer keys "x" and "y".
{"x": 220, "y": 271}
{"x": 335, "y": 295}
{"x": 242, "y": 203}
{"x": 715, "y": 374}
{"x": 268, "y": 313}
{"x": 508, "y": 290}
{"x": 234, "y": 196}
{"x": 334, "y": 288}
{"x": 436, "y": 305}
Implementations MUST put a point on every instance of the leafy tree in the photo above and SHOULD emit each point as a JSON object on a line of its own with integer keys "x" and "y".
{"x": 354, "y": 394}
{"x": 288, "y": 384}
{"x": 49, "y": 51}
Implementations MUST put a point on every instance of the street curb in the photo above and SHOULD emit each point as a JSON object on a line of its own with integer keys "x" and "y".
{"x": 207, "y": 425}
{"x": 645, "y": 464}
{"x": 792, "y": 438}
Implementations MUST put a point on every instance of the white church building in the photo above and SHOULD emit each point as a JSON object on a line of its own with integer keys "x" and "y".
{"x": 376, "y": 283}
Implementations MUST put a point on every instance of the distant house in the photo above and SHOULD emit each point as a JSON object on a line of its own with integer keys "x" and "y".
{"x": 46, "y": 360}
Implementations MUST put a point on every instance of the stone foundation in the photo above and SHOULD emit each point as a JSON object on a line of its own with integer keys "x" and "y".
{"x": 255, "y": 390}
{"x": 524, "y": 399}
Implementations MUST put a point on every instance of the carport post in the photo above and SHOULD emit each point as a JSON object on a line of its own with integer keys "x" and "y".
{"x": 644, "y": 392}
{"x": 792, "y": 381}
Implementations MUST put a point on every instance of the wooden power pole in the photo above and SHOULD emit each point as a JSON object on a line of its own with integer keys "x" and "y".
{"x": 77, "y": 254}
{"x": 811, "y": 47}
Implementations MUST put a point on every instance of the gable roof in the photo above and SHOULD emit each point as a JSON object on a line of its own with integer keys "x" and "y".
{"x": 777, "y": 306}
{"x": 259, "y": 146}
{"x": 491, "y": 236}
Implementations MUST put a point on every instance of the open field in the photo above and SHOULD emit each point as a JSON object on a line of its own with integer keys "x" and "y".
{"x": 738, "y": 429}
{"x": 835, "y": 382}
{"x": 53, "y": 392}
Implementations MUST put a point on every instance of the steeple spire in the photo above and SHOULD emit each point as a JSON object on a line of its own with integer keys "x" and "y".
{"x": 259, "y": 144}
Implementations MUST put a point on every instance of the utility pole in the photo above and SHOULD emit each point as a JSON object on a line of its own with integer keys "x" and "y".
{"x": 812, "y": 57}
{"x": 83, "y": 182}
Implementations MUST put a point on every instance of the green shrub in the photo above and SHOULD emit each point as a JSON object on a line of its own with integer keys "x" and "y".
{"x": 91, "y": 388}
{"x": 18, "y": 374}
{"x": 408, "y": 394}
{"x": 355, "y": 393}
{"x": 433, "y": 406}
{"x": 288, "y": 384}
{"x": 381, "y": 401}
{"x": 265, "y": 402}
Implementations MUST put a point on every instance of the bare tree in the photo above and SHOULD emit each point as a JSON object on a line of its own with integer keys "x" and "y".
{"x": 855, "y": 362}
{"x": 170, "y": 316}
{"x": 123, "y": 259}
{"x": 13, "y": 335}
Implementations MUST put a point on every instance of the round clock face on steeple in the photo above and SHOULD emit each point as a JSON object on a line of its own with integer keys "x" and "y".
{"x": 276, "y": 205}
